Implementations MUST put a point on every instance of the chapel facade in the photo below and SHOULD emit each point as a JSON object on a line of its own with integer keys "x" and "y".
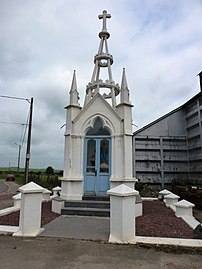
{"x": 98, "y": 135}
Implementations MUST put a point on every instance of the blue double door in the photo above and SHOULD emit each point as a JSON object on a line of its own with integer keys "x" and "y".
{"x": 97, "y": 165}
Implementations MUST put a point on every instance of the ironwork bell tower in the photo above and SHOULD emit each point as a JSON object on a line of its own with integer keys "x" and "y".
{"x": 103, "y": 59}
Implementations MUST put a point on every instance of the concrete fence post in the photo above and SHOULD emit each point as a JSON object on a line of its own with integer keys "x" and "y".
{"x": 56, "y": 191}
{"x": 122, "y": 212}
{"x": 17, "y": 200}
{"x": 170, "y": 200}
{"x": 30, "y": 210}
{"x": 46, "y": 195}
{"x": 184, "y": 208}
{"x": 162, "y": 194}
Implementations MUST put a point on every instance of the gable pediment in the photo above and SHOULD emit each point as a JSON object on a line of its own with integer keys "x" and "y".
{"x": 97, "y": 106}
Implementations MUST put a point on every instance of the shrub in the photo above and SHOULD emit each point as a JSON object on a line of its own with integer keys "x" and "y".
{"x": 49, "y": 170}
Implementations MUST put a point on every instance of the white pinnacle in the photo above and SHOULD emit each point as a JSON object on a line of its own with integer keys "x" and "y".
{"x": 124, "y": 88}
{"x": 74, "y": 98}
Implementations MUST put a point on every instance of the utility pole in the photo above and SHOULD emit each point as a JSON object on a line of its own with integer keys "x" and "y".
{"x": 28, "y": 143}
{"x": 19, "y": 150}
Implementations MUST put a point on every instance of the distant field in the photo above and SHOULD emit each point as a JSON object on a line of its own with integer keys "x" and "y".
{"x": 39, "y": 176}
{"x": 21, "y": 170}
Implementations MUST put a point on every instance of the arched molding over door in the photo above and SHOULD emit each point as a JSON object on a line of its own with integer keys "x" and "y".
{"x": 91, "y": 123}
{"x": 97, "y": 159}
{"x": 99, "y": 128}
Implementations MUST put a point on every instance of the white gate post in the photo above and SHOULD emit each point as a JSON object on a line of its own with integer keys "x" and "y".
{"x": 30, "y": 210}
{"x": 122, "y": 214}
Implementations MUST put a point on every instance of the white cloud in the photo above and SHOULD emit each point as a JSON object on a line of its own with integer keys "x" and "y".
{"x": 42, "y": 42}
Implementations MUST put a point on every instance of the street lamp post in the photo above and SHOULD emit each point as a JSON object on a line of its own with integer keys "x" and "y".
{"x": 19, "y": 150}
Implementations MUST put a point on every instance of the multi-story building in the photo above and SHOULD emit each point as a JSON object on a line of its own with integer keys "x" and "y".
{"x": 171, "y": 147}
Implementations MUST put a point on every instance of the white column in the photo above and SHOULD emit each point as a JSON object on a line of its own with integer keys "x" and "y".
{"x": 122, "y": 212}
{"x": 30, "y": 210}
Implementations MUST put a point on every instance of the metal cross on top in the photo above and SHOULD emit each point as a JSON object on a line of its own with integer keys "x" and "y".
{"x": 104, "y": 16}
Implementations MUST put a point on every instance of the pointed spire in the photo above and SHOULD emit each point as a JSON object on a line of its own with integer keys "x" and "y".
{"x": 103, "y": 59}
{"x": 74, "y": 95}
{"x": 124, "y": 88}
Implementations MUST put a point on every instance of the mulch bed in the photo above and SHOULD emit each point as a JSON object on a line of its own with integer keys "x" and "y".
{"x": 157, "y": 221}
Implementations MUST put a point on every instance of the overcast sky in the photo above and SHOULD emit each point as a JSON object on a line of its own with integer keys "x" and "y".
{"x": 159, "y": 42}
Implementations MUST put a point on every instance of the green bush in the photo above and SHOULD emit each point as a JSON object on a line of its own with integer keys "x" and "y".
{"x": 146, "y": 190}
{"x": 46, "y": 181}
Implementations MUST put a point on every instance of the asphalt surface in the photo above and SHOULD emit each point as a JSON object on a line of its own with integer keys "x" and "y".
{"x": 7, "y": 190}
{"x": 3, "y": 186}
{"x": 48, "y": 253}
{"x": 8, "y": 187}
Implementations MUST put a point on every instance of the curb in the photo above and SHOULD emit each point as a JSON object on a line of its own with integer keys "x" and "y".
{"x": 191, "y": 243}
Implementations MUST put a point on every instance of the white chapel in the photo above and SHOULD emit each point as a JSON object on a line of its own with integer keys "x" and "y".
{"x": 98, "y": 136}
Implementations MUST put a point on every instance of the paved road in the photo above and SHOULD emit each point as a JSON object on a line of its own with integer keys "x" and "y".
{"x": 48, "y": 253}
{"x": 8, "y": 187}
{"x": 7, "y": 190}
{"x": 3, "y": 186}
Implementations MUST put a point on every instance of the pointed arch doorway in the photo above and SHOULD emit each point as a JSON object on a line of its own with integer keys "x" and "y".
{"x": 97, "y": 160}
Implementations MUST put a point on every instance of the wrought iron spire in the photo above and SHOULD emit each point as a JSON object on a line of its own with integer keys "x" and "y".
{"x": 103, "y": 59}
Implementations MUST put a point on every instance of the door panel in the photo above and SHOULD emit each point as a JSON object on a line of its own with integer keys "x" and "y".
{"x": 97, "y": 166}
{"x": 91, "y": 156}
{"x": 90, "y": 166}
{"x": 104, "y": 156}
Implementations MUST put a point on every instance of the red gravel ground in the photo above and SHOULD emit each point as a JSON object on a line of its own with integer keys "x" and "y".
{"x": 47, "y": 216}
{"x": 157, "y": 221}
{"x": 160, "y": 221}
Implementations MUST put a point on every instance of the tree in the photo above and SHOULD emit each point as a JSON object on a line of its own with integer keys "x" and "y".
{"x": 49, "y": 170}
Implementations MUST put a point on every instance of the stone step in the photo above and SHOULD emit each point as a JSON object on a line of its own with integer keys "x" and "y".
{"x": 88, "y": 204}
{"x": 82, "y": 211}
{"x": 95, "y": 198}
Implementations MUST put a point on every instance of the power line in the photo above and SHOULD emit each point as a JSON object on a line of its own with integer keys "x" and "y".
{"x": 13, "y": 97}
{"x": 23, "y": 138}
{"x": 17, "y": 123}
